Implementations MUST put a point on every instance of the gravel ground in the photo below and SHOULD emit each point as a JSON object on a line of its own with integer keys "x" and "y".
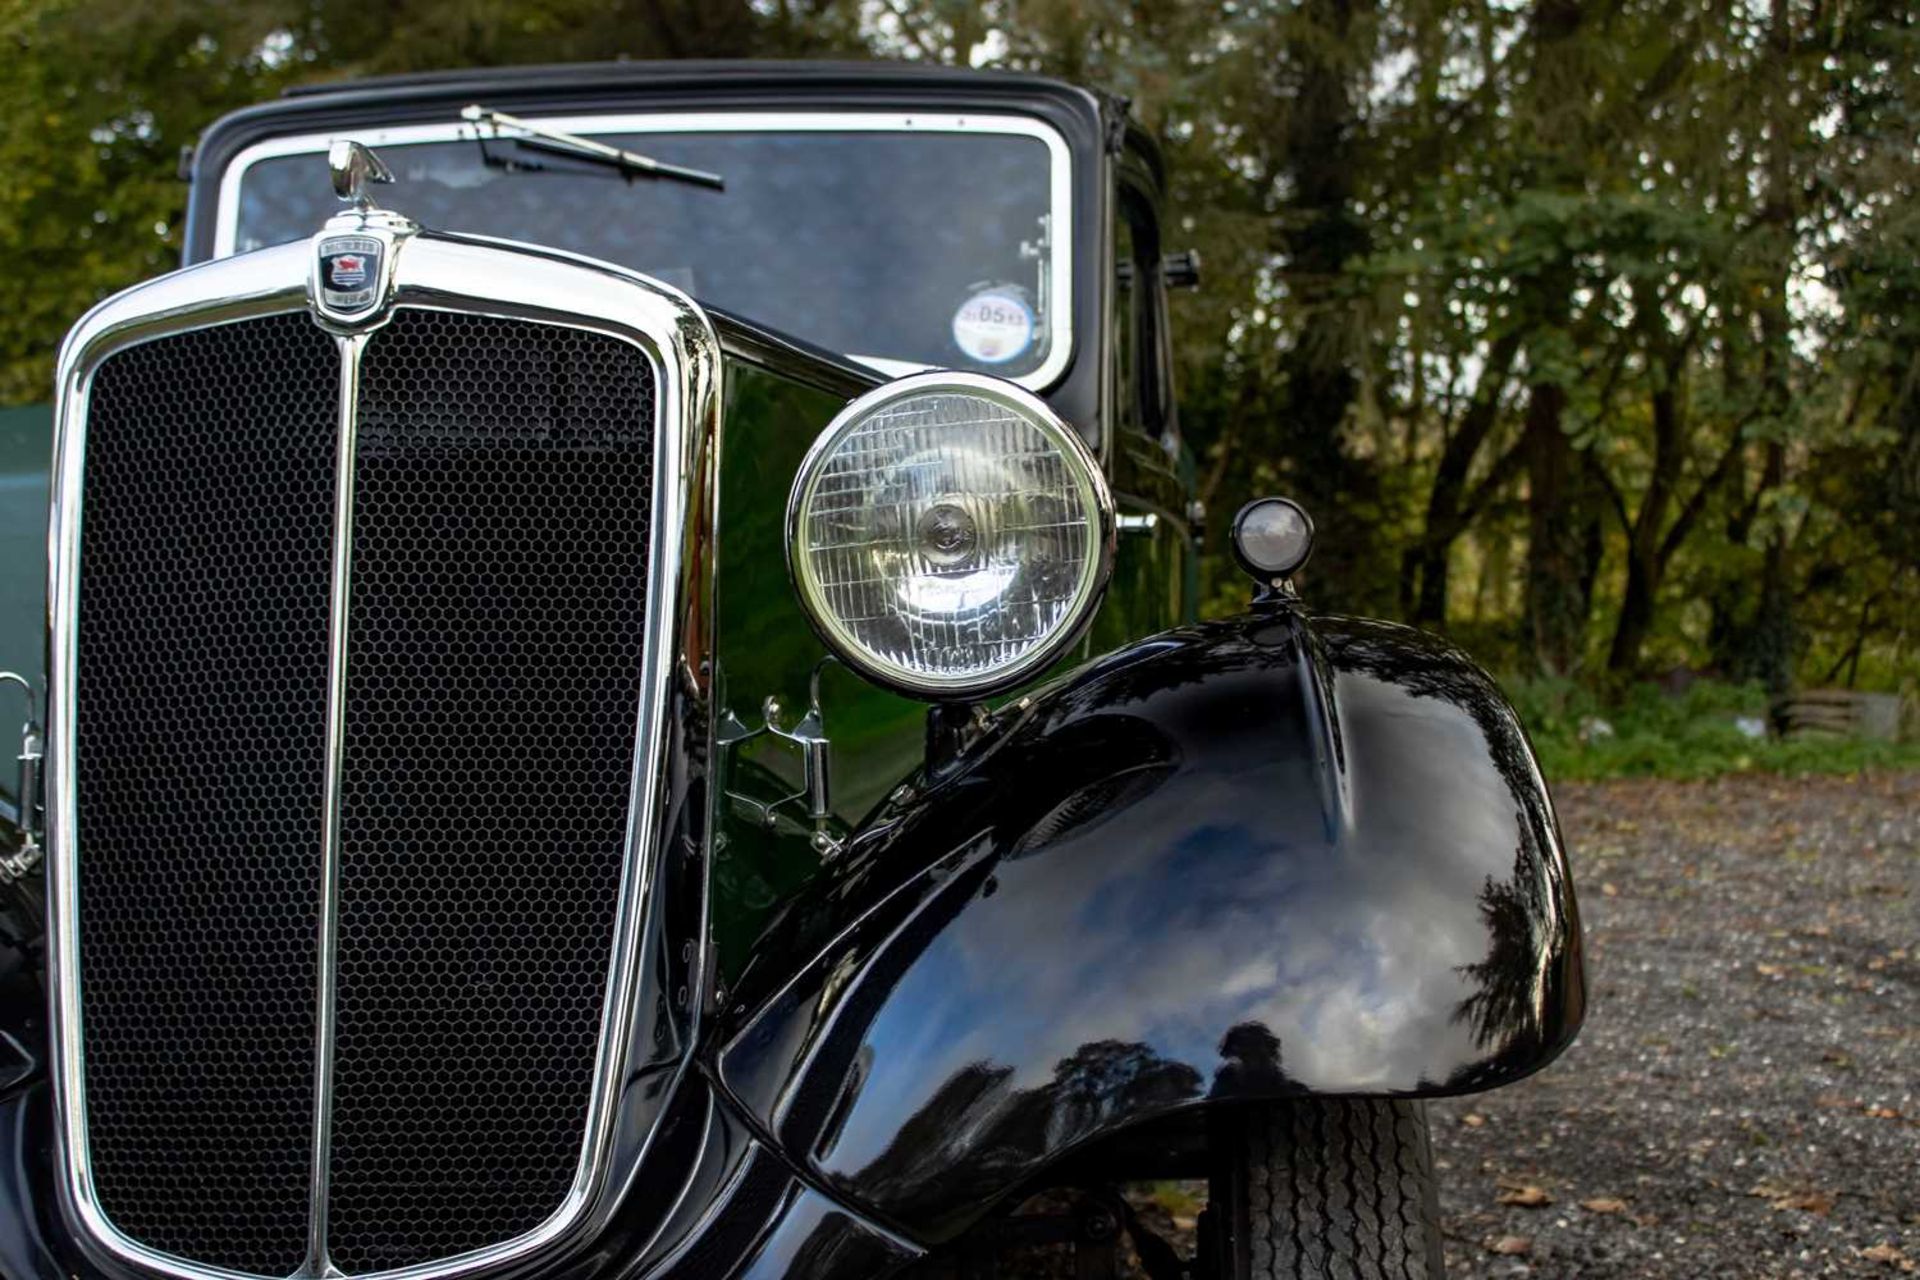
{"x": 1745, "y": 1098}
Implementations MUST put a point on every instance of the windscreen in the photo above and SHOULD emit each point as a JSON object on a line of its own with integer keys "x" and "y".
{"x": 905, "y": 245}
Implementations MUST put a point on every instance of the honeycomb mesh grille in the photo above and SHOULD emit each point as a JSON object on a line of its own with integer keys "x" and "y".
{"x": 199, "y": 743}
{"x": 496, "y": 625}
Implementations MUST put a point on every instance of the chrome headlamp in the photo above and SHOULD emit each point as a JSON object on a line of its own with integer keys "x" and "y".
{"x": 949, "y": 535}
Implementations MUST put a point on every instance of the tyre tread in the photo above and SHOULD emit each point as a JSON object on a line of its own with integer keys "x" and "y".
{"x": 1340, "y": 1189}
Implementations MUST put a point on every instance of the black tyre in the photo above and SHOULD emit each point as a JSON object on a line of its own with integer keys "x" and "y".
{"x": 1330, "y": 1187}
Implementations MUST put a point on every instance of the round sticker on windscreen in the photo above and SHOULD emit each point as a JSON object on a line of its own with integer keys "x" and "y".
{"x": 993, "y": 326}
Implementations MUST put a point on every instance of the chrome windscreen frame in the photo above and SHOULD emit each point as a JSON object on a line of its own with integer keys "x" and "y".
{"x": 394, "y": 138}
{"x": 441, "y": 273}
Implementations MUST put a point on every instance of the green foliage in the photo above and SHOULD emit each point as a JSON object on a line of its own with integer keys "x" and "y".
{"x": 1590, "y": 332}
{"x": 95, "y": 105}
{"x": 1581, "y": 735}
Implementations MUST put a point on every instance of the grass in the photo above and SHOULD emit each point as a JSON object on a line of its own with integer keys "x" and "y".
{"x": 1695, "y": 734}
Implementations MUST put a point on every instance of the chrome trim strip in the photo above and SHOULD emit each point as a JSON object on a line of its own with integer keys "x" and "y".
{"x": 345, "y": 451}
{"x": 471, "y": 278}
{"x": 1060, "y": 173}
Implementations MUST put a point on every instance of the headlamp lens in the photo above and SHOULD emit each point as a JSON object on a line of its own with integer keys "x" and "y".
{"x": 950, "y": 535}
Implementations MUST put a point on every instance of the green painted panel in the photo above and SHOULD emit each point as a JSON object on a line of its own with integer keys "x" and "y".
{"x": 767, "y": 649}
{"x": 26, "y": 450}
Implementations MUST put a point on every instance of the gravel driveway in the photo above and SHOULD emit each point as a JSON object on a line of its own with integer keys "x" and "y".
{"x": 1745, "y": 1098}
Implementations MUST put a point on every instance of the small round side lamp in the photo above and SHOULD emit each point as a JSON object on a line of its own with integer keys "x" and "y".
{"x": 1272, "y": 538}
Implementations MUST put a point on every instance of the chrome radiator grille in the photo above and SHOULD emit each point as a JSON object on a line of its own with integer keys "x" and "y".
{"x": 502, "y": 475}
{"x": 497, "y": 615}
{"x": 199, "y": 758}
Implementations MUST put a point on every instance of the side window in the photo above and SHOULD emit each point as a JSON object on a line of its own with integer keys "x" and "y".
{"x": 1126, "y": 324}
{"x": 1165, "y": 423}
{"x": 1142, "y": 395}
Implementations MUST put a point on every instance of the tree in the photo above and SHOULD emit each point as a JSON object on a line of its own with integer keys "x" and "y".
{"x": 1585, "y": 328}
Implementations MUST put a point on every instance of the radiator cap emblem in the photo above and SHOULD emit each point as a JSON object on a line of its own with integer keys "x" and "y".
{"x": 353, "y": 256}
{"x": 350, "y": 273}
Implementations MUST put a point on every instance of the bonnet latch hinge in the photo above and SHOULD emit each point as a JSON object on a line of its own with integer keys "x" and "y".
{"x": 17, "y": 864}
{"x": 809, "y": 734}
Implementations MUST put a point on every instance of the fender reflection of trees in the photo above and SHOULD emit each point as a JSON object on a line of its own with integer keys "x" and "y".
{"x": 1426, "y": 668}
{"x": 1183, "y": 657}
{"x": 1520, "y": 978}
{"x": 1523, "y": 977}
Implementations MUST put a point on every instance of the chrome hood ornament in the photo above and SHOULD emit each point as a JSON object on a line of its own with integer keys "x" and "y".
{"x": 352, "y": 279}
{"x": 354, "y": 165}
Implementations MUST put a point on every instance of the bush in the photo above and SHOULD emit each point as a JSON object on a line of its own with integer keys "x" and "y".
{"x": 1650, "y": 733}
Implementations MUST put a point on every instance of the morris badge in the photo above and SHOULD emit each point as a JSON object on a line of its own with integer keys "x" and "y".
{"x": 350, "y": 272}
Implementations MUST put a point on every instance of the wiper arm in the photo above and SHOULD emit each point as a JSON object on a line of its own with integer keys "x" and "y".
{"x": 572, "y": 144}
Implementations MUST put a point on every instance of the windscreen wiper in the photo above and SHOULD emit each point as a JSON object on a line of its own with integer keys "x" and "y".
{"x": 541, "y": 138}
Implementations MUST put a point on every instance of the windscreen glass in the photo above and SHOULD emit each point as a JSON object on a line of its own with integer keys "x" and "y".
{"x": 923, "y": 247}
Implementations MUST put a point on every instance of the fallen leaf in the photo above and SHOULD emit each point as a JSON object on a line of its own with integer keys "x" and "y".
{"x": 1472, "y": 1120}
{"x": 1819, "y": 1202}
{"x": 1511, "y": 1245}
{"x": 1780, "y": 1196}
{"x": 1887, "y": 1255}
{"x": 1526, "y": 1197}
{"x": 1604, "y": 1204}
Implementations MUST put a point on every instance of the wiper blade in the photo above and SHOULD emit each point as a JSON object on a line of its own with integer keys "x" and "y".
{"x": 571, "y": 144}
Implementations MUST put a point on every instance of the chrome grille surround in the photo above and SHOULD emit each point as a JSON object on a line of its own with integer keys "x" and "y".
{"x": 442, "y": 273}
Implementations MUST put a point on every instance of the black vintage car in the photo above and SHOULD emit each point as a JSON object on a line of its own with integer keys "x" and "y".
{"x": 628, "y": 705}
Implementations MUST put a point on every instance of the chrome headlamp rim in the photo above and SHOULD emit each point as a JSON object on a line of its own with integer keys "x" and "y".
{"x": 1088, "y": 591}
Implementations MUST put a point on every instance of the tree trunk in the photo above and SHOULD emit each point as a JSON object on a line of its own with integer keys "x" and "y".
{"x": 1321, "y": 234}
{"x": 1556, "y": 611}
{"x": 1433, "y": 571}
{"x": 1636, "y": 616}
{"x": 1732, "y": 602}
{"x": 1773, "y": 626}
{"x": 1772, "y": 646}
{"x": 1424, "y": 584}
{"x": 1645, "y": 562}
